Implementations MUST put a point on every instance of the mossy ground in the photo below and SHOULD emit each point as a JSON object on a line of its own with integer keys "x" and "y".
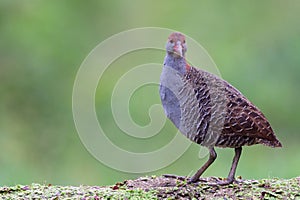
{"x": 161, "y": 188}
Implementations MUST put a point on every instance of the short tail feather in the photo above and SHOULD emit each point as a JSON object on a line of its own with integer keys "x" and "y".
{"x": 274, "y": 143}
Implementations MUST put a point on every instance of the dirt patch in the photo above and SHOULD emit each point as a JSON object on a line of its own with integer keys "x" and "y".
{"x": 173, "y": 187}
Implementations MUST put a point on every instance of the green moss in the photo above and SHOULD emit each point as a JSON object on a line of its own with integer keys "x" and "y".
{"x": 38, "y": 191}
{"x": 161, "y": 188}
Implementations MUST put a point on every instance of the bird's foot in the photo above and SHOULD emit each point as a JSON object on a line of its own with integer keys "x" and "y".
{"x": 227, "y": 181}
{"x": 196, "y": 180}
{"x": 182, "y": 178}
{"x": 214, "y": 181}
{"x": 193, "y": 179}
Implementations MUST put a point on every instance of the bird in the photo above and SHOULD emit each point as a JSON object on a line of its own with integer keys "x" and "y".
{"x": 208, "y": 110}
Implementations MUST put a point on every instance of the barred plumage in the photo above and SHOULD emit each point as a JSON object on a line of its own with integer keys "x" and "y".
{"x": 208, "y": 110}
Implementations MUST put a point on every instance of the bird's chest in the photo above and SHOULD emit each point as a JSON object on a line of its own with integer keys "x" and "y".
{"x": 193, "y": 105}
{"x": 179, "y": 101}
{"x": 171, "y": 83}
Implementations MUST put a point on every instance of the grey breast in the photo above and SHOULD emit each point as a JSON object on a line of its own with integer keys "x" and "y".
{"x": 195, "y": 102}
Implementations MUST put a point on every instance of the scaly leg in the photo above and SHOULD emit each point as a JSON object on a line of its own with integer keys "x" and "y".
{"x": 212, "y": 157}
{"x": 231, "y": 174}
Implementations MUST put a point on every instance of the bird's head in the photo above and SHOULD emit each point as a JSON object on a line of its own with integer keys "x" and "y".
{"x": 176, "y": 45}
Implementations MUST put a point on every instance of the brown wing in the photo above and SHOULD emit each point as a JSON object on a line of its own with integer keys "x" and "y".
{"x": 246, "y": 123}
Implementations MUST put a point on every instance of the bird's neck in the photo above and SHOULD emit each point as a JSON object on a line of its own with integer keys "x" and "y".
{"x": 177, "y": 63}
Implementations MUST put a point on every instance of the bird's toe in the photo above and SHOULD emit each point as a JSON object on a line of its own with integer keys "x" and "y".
{"x": 228, "y": 181}
{"x": 174, "y": 176}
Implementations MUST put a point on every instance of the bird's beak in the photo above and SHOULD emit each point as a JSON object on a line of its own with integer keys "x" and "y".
{"x": 178, "y": 49}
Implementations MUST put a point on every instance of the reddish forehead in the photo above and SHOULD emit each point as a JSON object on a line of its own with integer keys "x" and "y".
{"x": 176, "y": 36}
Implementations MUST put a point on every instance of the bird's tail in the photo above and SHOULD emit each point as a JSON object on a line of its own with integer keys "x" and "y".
{"x": 274, "y": 143}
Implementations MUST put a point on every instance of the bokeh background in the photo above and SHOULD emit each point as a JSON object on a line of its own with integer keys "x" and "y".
{"x": 255, "y": 44}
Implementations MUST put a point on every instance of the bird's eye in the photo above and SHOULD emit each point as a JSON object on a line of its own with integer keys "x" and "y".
{"x": 171, "y": 41}
{"x": 183, "y": 41}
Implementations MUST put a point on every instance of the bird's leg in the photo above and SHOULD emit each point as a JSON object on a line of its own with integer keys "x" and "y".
{"x": 212, "y": 157}
{"x": 231, "y": 174}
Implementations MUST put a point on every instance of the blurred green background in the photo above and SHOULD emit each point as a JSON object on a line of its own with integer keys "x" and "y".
{"x": 256, "y": 45}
